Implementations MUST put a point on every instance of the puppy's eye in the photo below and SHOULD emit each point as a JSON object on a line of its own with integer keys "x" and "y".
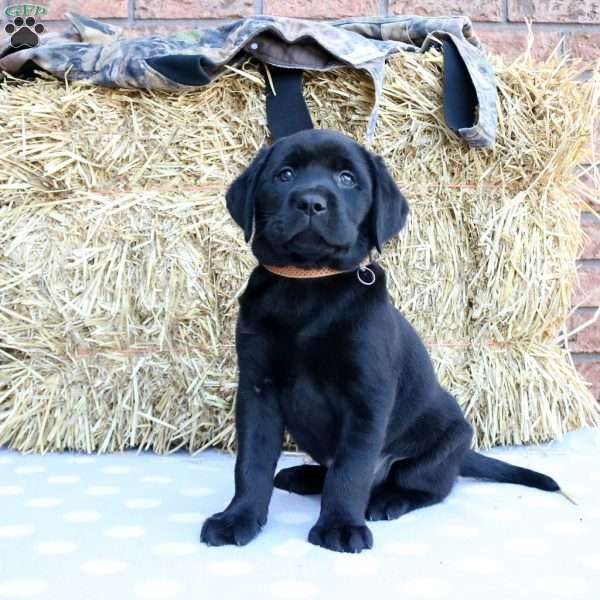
{"x": 286, "y": 174}
{"x": 347, "y": 179}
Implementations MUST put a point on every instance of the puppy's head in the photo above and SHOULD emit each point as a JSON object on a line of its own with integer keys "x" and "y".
{"x": 316, "y": 198}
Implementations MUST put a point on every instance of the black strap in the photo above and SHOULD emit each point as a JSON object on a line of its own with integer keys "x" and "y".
{"x": 460, "y": 97}
{"x": 287, "y": 112}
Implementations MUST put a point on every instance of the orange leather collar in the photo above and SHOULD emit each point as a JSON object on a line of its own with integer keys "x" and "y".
{"x": 300, "y": 273}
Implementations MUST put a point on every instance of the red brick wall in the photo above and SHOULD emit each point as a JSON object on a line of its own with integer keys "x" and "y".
{"x": 565, "y": 25}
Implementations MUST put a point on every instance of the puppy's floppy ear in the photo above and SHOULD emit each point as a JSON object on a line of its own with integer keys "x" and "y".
{"x": 240, "y": 195}
{"x": 389, "y": 208}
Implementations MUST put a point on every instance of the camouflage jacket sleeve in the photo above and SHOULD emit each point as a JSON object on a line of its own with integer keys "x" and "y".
{"x": 99, "y": 52}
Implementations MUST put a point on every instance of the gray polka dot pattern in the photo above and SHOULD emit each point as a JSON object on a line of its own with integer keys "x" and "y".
{"x": 127, "y": 525}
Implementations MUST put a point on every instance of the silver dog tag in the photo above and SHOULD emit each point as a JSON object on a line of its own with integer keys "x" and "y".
{"x": 360, "y": 274}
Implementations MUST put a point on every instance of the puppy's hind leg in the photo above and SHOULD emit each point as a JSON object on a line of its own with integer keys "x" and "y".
{"x": 303, "y": 479}
{"x": 391, "y": 502}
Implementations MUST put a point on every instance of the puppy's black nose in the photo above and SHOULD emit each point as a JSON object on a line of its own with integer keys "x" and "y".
{"x": 311, "y": 203}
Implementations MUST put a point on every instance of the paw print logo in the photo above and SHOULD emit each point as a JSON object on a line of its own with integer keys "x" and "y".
{"x": 24, "y": 32}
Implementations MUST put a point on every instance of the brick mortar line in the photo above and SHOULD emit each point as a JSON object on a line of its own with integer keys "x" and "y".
{"x": 589, "y": 262}
{"x": 478, "y": 25}
{"x": 589, "y": 218}
{"x": 584, "y": 357}
{"x": 124, "y": 21}
{"x": 569, "y": 27}
{"x": 562, "y": 43}
{"x": 586, "y": 311}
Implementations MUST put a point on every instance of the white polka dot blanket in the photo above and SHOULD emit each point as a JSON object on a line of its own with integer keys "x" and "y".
{"x": 126, "y": 526}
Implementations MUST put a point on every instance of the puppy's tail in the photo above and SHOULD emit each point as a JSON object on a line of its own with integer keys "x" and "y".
{"x": 484, "y": 467}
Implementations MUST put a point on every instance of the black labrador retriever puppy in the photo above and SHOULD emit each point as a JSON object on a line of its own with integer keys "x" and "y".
{"x": 323, "y": 353}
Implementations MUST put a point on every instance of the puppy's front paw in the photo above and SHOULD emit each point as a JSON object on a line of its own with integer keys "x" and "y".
{"x": 231, "y": 527}
{"x": 341, "y": 536}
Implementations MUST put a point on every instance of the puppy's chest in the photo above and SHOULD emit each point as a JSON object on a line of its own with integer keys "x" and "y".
{"x": 306, "y": 370}
{"x": 306, "y": 359}
{"x": 311, "y": 400}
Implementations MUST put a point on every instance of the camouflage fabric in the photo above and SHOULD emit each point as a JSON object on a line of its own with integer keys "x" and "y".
{"x": 98, "y": 52}
{"x": 419, "y": 34}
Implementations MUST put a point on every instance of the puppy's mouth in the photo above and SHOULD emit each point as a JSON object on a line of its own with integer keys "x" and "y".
{"x": 311, "y": 242}
{"x": 308, "y": 238}
{"x": 304, "y": 241}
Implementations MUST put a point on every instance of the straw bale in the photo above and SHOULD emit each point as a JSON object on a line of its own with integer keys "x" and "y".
{"x": 120, "y": 268}
{"x": 505, "y": 387}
